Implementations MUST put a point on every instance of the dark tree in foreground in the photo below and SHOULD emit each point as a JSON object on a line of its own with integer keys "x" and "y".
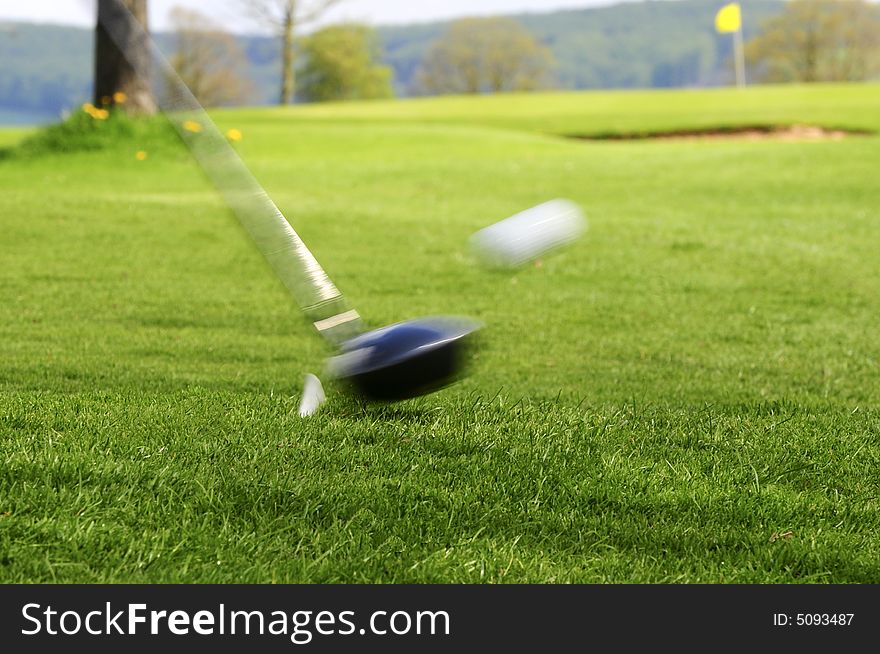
{"x": 116, "y": 79}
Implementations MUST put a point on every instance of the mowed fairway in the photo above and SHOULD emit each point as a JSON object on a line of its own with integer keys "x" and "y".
{"x": 688, "y": 394}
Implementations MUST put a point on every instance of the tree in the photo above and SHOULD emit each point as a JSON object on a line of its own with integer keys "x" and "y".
{"x": 818, "y": 40}
{"x": 341, "y": 64}
{"x": 208, "y": 59}
{"x": 285, "y": 18}
{"x": 116, "y": 78}
{"x": 479, "y": 55}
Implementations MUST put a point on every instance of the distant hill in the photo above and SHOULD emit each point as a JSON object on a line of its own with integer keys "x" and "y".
{"x": 46, "y": 69}
{"x": 629, "y": 45}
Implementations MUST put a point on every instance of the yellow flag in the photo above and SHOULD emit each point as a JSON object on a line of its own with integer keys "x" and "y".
{"x": 729, "y": 18}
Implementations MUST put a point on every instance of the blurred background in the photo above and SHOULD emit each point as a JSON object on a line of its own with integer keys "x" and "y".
{"x": 231, "y": 52}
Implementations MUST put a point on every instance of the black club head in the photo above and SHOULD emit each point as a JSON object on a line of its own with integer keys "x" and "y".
{"x": 406, "y": 359}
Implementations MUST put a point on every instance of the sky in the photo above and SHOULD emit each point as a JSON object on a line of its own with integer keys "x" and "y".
{"x": 231, "y": 15}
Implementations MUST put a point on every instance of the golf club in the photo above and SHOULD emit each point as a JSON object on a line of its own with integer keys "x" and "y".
{"x": 403, "y": 360}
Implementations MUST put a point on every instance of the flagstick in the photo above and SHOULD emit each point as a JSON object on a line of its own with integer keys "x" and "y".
{"x": 739, "y": 55}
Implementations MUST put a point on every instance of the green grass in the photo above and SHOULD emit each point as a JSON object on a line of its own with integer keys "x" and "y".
{"x": 83, "y": 132}
{"x": 688, "y": 394}
{"x": 10, "y": 137}
{"x": 615, "y": 112}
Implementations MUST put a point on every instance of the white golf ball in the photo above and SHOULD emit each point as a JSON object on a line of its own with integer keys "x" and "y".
{"x": 529, "y": 234}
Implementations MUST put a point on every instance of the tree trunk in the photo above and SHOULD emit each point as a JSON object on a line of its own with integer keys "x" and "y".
{"x": 116, "y": 79}
{"x": 288, "y": 75}
{"x": 811, "y": 57}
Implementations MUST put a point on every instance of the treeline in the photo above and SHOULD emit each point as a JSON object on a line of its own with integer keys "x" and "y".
{"x": 631, "y": 45}
{"x": 47, "y": 69}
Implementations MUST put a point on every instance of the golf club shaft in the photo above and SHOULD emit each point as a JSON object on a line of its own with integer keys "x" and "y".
{"x": 288, "y": 256}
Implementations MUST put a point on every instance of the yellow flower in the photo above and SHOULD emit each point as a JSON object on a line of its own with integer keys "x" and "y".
{"x": 105, "y": 100}
{"x": 119, "y": 97}
{"x": 192, "y": 126}
{"x": 234, "y": 135}
{"x": 97, "y": 114}
{"x": 141, "y": 155}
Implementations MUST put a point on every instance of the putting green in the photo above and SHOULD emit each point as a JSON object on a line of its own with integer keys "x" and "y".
{"x": 687, "y": 394}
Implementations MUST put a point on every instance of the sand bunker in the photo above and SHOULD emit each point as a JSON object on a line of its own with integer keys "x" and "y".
{"x": 745, "y": 133}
